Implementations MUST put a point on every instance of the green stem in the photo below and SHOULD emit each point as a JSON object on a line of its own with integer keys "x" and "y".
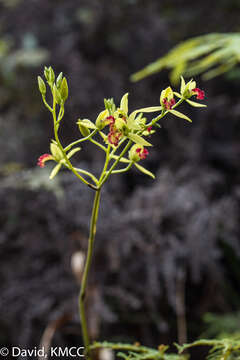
{"x": 82, "y": 294}
{"x": 98, "y": 144}
{"x": 55, "y": 120}
{"x": 123, "y": 170}
{"x": 85, "y": 172}
{"x": 102, "y": 181}
{"x": 81, "y": 140}
{"x": 163, "y": 113}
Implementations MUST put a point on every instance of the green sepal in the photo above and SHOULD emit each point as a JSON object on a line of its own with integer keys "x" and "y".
{"x": 177, "y": 94}
{"x": 100, "y": 123}
{"x": 124, "y": 104}
{"x": 54, "y": 171}
{"x": 87, "y": 123}
{"x": 83, "y": 129}
{"x": 147, "y": 133}
{"x": 56, "y": 152}
{"x": 145, "y": 171}
{"x": 166, "y": 94}
{"x": 72, "y": 152}
{"x": 84, "y": 126}
{"x": 180, "y": 115}
{"x": 195, "y": 104}
{"x": 138, "y": 139}
{"x": 183, "y": 84}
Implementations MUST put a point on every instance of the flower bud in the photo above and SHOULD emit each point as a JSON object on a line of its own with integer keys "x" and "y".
{"x": 41, "y": 85}
{"x": 46, "y": 73}
{"x": 64, "y": 89}
{"x": 51, "y": 75}
{"x": 132, "y": 154}
{"x": 57, "y": 95}
{"x": 56, "y": 152}
{"x": 100, "y": 121}
{"x": 83, "y": 128}
{"x": 59, "y": 80}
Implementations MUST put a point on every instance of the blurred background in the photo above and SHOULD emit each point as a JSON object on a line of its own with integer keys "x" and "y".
{"x": 166, "y": 264}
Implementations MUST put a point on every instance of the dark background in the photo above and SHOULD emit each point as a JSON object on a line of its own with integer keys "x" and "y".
{"x": 157, "y": 240}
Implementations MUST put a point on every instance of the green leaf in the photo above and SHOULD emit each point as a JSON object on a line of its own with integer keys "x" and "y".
{"x": 55, "y": 171}
{"x": 218, "y": 52}
{"x": 180, "y": 115}
{"x": 195, "y": 104}
{"x": 138, "y": 139}
{"x": 145, "y": 110}
{"x": 145, "y": 171}
{"x": 131, "y": 119}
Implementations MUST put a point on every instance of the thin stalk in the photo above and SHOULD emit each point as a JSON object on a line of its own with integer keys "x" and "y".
{"x": 82, "y": 293}
{"x": 123, "y": 170}
{"x": 81, "y": 140}
{"x": 62, "y": 149}
{"x": 102, "y": 181}
{"x": 98, "y": 144}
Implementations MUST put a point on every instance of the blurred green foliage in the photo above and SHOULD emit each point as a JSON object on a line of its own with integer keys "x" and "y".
{"x": 222, "y": 325}
{"x": 227, "y": 348}
{"x": 29, "y": 54}
{"x": 138, "y": 352}
{"x": 210, "y": 55}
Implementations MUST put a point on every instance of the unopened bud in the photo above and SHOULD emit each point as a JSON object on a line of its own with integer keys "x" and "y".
{"x": 41, "y": 85}
{"x": 83, "y": 128}
{"x": 59, "y": 80}
{"x": 51, "y": 75}
{"x": 57, "y": 95}
{"x": 64, "y": 89}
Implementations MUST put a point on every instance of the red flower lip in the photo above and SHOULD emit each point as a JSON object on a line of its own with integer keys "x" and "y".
{"x": 142, "y": 153}
{"x": 199, "y": 93}
{"x": 43, "y": 158}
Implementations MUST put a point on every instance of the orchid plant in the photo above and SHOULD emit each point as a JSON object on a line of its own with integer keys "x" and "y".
{"x": 122, "y": 136}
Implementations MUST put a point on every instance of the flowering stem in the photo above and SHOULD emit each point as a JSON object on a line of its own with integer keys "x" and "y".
{"x": 82, "y": 293}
